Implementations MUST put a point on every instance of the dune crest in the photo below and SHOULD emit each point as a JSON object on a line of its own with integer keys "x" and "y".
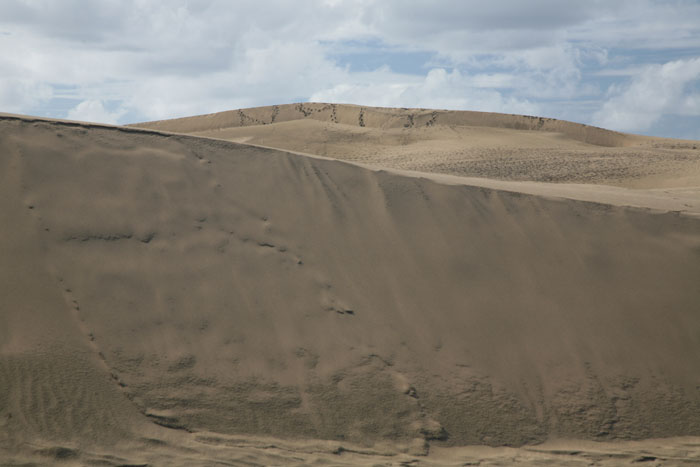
{"x": 462, "y": 143}
{"x": 385, "y": 118}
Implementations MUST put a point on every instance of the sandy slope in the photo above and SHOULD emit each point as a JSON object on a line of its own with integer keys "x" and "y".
{"x": 222, "y": 289}
{"x": 474, "y": 144}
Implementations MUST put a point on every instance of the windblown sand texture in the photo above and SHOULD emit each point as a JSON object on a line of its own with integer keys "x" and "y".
{"x": 197, "y": 300}
{"x": 474, "y": 144}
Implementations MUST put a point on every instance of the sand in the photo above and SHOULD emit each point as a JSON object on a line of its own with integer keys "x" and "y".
{"x": 187, "y": 299}
{"x": 471, "y": 144}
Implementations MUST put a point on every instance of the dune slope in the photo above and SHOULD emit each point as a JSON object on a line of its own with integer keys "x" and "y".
{"x": 386, "y": 118}
{"x": 205, "y": 285}
{"x": 464, "y": 143}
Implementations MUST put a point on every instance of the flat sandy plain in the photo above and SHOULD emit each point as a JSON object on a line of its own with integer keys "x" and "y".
{"x": 340, "y": 285}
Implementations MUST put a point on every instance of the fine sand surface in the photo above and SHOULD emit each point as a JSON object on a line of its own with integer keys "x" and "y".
{"x": 182, "y": 300}
{"x": 472, "y": 144}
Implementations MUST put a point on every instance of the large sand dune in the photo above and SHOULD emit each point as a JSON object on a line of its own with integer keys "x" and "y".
{"x": 474, "y": 144}
{"x": 189, "y": 296}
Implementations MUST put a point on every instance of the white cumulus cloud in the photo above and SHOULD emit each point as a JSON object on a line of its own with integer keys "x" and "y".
{"x": 656, "y": 91}
{"x": 439, "y": 89}
{"x": 94, "y": 111}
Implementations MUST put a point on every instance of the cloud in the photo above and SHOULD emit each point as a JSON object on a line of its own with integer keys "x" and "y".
{"x": 657, "y": 91}
{"x": 641, "y": 25}
{"x": 94, "y": 111}
{"x": 150, "y": 59}
{"x": 477, "y": 25}
{"x": 438, "y": 89}
{"x": 17, "y": 95}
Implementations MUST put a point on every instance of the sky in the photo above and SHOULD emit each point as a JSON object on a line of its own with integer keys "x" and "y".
{"x": 627, "y": 65}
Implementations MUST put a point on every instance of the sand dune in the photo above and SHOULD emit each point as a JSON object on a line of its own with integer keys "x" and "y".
{"x": 472, "y": 144}
{"x": 190, "y": 298}
{"x": 387, "y": 118}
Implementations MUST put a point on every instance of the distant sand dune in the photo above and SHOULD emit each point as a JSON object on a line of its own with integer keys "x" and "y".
{"x": 388, "y": 118}
{"x": 172, "y": 292}
{"x": 472, "y": 144}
